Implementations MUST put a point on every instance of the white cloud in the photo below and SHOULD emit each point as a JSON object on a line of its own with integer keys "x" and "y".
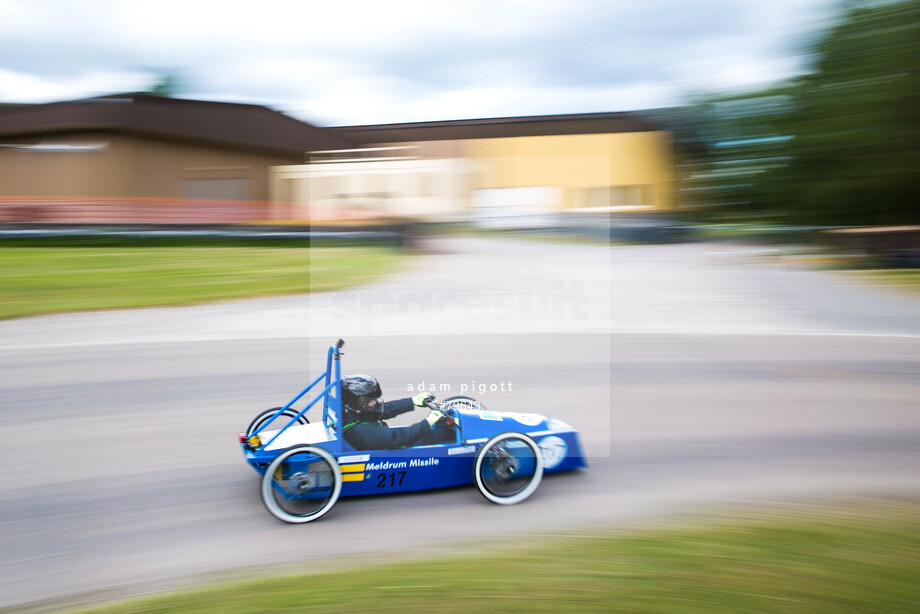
{"x": 27, "y": 88}
{"x": 357, "y": 61}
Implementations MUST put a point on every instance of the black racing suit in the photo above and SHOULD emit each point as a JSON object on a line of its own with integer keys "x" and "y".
{"x": 365, "y": 435}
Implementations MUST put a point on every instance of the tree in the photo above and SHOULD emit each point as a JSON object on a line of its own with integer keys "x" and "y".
{"x": 855, "y": 151}
{"x": 841, "y": 144}
{"x": 169, "y": 84}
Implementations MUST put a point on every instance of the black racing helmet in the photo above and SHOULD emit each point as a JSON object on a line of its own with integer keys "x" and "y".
{"x": 361, "y": 396}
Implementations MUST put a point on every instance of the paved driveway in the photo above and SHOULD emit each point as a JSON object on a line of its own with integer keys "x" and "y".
{"x": 696, "y": 373}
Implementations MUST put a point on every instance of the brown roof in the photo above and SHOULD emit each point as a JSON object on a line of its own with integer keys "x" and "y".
{"x": 582, "y": 123}
{"x": 218, "y": 124}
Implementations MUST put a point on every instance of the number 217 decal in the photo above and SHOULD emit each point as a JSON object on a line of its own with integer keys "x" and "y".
{"x": 394, "y": 478}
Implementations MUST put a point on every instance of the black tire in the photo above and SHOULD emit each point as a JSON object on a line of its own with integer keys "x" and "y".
{"x": 301, "y": 484}
{"x": 462, "y": 402}
{"x": 508, "y": 468}
{"x": 266, "y": 417}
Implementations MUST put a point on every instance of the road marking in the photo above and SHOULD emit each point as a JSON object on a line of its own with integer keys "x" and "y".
{"x": 631, "y": 331}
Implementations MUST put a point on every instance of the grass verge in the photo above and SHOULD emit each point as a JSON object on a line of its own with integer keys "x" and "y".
{"x": 841, "y": 559}
{"x": 36, "y": 280}
{"x": 905, "y": 279}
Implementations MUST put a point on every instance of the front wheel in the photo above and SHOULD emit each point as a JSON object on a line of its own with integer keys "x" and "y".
{"x": 301, "y": 484}
{"x": 508, "y": 468}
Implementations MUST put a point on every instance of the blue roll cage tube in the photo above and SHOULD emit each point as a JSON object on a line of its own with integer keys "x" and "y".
{"x": 332, "y": 403}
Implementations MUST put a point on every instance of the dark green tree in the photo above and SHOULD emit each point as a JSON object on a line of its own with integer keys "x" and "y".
{"x": 168, "y": 84}
{"x": 736, "y": 144}
{"x": 854, "y": 154}
{"x": 839, "y": 145}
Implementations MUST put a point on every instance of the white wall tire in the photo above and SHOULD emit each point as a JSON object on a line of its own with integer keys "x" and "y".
{"x": 266, "y": 416}
{"x": 320, "y": 485}
{"x": 505, "y": 480}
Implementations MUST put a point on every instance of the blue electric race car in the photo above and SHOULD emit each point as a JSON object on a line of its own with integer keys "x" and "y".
{"x": 306, "y": 466}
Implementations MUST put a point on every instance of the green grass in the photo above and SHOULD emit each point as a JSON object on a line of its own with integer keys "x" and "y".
{"x": 861, "y": 560}
{"x": 35, "y": 280}
{"x": 907, "y": 279}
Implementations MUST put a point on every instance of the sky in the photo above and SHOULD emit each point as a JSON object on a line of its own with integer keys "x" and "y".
{"x": 353, "y": 62}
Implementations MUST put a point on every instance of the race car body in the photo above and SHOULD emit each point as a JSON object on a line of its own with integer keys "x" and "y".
{"x": 307, "y": 466}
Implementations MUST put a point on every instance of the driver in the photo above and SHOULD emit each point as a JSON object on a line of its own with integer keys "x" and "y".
{"x": 364, "y": 415}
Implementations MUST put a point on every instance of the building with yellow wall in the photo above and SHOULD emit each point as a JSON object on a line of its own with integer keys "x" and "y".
{"x": 614, "y": 172}
{"x": 143, "y": 158}
{"x": 532, "y": 166}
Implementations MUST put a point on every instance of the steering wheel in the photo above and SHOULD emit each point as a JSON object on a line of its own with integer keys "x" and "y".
{"x": 451, "y": 420}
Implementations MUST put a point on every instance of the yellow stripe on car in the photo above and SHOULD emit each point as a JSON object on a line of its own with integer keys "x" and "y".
{"x": 352, "y": 468}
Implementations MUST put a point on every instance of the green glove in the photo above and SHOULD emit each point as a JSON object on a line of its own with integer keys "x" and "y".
{"x": 420, "y": 398}
{"x": 434, "y": 417}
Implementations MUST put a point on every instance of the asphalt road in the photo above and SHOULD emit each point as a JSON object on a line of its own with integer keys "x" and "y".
{"x": 697, "y": 374}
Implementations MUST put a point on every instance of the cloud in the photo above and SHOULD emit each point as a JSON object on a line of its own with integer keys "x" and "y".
{"x": 28, "y": 88}
{"x": 357, "y": 61}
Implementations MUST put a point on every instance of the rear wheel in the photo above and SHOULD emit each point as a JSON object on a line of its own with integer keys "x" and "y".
{"x": 508, "y": 468}
{"x": 267, "y": 417}
{"x": 301, "y": 484}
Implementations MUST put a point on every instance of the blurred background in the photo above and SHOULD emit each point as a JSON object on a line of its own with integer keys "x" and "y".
{"x": 688, "y": 229}
{"x": 790, "y": 120}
